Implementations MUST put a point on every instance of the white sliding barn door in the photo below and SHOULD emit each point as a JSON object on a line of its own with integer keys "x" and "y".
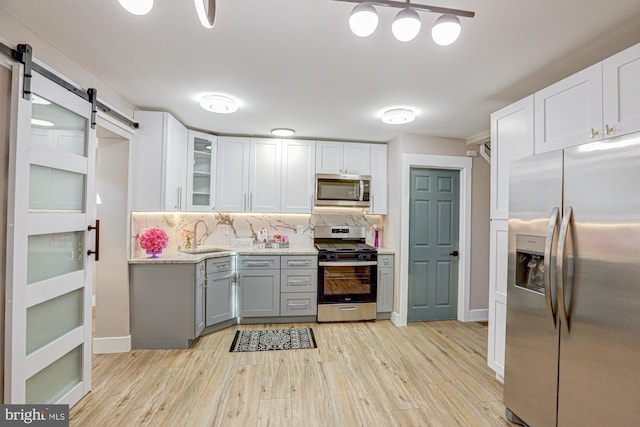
{"x": 49, "y": 273}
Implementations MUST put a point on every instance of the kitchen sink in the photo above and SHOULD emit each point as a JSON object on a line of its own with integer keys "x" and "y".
{"x": 203, "y": 250}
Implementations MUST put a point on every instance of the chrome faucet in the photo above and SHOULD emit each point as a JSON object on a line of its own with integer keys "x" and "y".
{"x": 195, "y": 232}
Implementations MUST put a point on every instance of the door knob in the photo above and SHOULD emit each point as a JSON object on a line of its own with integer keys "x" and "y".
{"x": 454, "y": 253}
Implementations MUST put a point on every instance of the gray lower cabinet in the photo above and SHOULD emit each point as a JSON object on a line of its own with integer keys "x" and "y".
{"x": 167, "y": 304}
{"x": 219, "y": 290}
{"x": 385, "y": 283}
{"x": 258, "y": 286}
{"x": 299, "y": 285}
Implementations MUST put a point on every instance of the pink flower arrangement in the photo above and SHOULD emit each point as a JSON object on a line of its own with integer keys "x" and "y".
{"x": 154, "y": 239}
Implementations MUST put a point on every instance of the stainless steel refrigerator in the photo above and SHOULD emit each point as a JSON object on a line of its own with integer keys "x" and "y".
{"x": 573, "y": 297}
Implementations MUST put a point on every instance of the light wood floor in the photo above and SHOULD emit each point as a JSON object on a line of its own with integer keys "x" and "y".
{"x": 361, "y": 374}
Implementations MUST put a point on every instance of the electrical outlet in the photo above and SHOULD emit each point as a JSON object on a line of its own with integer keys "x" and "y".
{"x": 223, "y": 229}
{"x": 300, "y": 229}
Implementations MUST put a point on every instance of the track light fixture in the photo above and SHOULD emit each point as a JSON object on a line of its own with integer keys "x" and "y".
{"x": 206, "y": 9}
{"x": 406, "y": 25}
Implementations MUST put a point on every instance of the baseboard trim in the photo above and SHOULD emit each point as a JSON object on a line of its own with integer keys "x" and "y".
{"x": 112, "y": 345}
{"x": 479, "y": 315}
{"x": 397, "y": 320}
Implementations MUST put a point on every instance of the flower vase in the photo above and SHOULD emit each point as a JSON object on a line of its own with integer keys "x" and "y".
{"x": 376, "y": 242}
{"x": 154, "y": 254}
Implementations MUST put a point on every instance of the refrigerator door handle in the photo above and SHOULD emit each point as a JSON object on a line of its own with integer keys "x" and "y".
{"x": 548, "y": 246}
{"x": 560, "y": 264}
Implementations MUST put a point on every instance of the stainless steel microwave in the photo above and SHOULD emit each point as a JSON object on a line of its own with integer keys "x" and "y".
{"x": 343, "y": 190}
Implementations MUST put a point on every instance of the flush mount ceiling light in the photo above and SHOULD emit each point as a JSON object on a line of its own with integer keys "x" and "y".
{"x": 282, "y": 132}
{"x": 406, "y": 25}
{"x": 219, "y": 104}
{"x": 206, "y": 9}
{"x": 363, "y": 20}
{"x": 137, "y": 7}
{"x": 398, "y": 116}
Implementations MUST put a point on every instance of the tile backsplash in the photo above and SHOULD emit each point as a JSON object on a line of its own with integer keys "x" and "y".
{"x": 221, "y": 227}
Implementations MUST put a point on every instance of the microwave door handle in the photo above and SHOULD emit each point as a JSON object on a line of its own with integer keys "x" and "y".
{"x": 361, "y": 198}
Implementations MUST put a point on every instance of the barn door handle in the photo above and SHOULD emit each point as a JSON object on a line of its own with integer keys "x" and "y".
{"x": 97, "y": 251}
{"x": 454, "y": 253}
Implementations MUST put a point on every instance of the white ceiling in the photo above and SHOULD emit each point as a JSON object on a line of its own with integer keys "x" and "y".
{"x": 295, "y": 63}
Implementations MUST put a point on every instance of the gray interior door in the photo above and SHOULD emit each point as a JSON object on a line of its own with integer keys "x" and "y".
{"x": 433, "y": 244}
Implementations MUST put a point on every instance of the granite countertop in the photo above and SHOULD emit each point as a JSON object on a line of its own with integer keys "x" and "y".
{"x": 176, "y": 257}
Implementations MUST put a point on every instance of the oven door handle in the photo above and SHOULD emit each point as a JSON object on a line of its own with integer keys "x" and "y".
{"x": 346, "y": 263}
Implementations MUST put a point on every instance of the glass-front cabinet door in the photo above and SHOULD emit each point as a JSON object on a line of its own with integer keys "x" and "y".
{"x": 50, "y": 244}
{"x": 201, "y": 172}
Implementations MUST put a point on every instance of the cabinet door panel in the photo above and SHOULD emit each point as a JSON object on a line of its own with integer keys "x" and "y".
{"x": 511, "y": 139}
{"x": 232, "y": 174}
{"x": 378, "y": 179}
{"x": 264, "y": 175}
{"x": 201, "y": 171}
{"x": 385, "y": 290}
{"x": 498, "y": 243}
{"x": 569, "y": 112}
{"x": 219, "y": 298}
{"x": 259, "y": 293}
{"x": 621, "y": 91}
{"x": 329, "y": 157}
{"x": 298, "y": 176}
{"x": 357, "y": 158}
{"x": 175, "y": 163}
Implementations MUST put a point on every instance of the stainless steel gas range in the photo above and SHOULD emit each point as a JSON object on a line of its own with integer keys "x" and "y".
{"x": 347, "y": 274}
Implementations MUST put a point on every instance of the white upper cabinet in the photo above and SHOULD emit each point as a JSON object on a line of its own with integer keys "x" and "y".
{"x": 343, "y": 158}
{"x": 264, "y": 175}
{"x": 357, "y": 158}
{"x": 378, "y": 179}
{"x": 159, "y": 163}
{"x": 621, "y": 92}
{"x": 201, "y": 171}
{"x": 232, "y": 174}
{"x": 298, "y": 176}
{"x": 602, "y": 101}
{"x": 511, "y": 139}
{"x": 569, "y": 112}
{"x": 176, "y": 165}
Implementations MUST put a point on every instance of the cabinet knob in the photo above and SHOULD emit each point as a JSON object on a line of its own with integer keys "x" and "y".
{"x": 594, "y": 132}
{"x": 609, "y": 130}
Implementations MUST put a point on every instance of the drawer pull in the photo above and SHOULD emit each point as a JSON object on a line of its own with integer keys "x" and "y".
{"x": 298, "y": 282}
{"x": 299, "y": 263}
{"x": 257, "y": 263}
{"x": 293, "y": 305}
{"x": 347, "y": 309}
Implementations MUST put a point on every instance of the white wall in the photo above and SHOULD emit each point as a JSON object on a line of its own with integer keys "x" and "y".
{"x": 417, "y": 144}
{"x": 13, "y": 33}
